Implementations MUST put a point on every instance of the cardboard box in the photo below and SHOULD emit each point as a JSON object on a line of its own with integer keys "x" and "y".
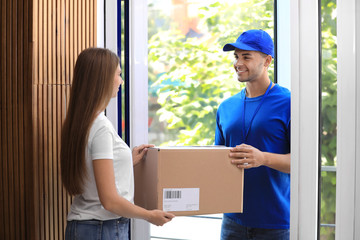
{"x": 189, "y": 181}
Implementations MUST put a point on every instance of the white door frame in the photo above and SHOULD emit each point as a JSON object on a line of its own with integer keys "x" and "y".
{"x": 138, "y": 77}
{"x": 140, "y": 229}
{"x": 304, "y": 119}
{"x": 107, "y": 37}
{"x": 348, "y": 131}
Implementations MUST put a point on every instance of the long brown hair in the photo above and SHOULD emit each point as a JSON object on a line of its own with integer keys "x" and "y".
{"x": 91, "y": 91}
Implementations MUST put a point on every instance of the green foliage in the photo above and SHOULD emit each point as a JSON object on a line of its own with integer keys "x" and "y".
{"x": 199, "y": 75}
{"x": 328, "y": 113}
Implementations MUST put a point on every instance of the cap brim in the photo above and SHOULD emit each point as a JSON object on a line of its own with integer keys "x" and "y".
{"x": 228, "y": 47}
{"x": 241, "y": 46}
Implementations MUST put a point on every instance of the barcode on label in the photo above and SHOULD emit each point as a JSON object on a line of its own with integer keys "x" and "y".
{"x": 172, "y": 194}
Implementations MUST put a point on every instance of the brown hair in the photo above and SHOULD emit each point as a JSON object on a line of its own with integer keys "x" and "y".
{"x": 90, "y": 93}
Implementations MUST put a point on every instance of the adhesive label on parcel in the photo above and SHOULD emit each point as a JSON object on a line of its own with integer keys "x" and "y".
{"x": 181, "y": 199}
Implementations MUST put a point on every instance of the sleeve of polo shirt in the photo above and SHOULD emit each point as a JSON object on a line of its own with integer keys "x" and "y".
{"x": 219, "y": 138}
{"x": 102, "y": 145}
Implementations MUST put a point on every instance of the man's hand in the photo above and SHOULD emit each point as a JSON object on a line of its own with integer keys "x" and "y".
{"x": 246, "y": 156}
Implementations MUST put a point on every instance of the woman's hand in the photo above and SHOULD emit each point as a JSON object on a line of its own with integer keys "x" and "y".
{"x": 115, "y": 203}
{"x": 139, "y": 153}
{"x": 159, "y": 218}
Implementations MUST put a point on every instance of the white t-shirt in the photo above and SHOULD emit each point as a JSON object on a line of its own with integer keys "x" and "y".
{"x": 104, "y": 143}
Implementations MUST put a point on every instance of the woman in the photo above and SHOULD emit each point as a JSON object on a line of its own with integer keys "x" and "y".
{"x": 96, "y": 164}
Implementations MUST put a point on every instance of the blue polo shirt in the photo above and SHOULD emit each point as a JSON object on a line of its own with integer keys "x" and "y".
{"x": 266, "y": 191}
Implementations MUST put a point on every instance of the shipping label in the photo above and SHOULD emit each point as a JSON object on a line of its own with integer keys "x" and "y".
{"x": 181, "y": 199}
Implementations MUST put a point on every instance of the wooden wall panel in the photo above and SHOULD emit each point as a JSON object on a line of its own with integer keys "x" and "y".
{"x": 4, "y": 168}
{"x": 2, "y": 227}
{"x": 56, "y": 56}
{"x": 15, "y": 121}
{"x": 40, "y": 41}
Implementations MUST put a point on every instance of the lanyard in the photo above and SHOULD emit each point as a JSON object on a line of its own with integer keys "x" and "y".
{"x": 246, "y": 131}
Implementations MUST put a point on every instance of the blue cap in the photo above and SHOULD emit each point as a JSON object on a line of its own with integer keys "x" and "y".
{"x": 253, "y": 40}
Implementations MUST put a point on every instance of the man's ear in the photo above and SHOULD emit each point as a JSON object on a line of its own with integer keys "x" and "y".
{"x": 268, "y": 60}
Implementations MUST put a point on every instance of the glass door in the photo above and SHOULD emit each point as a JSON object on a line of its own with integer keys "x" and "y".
{"x": 189, "y": 75}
